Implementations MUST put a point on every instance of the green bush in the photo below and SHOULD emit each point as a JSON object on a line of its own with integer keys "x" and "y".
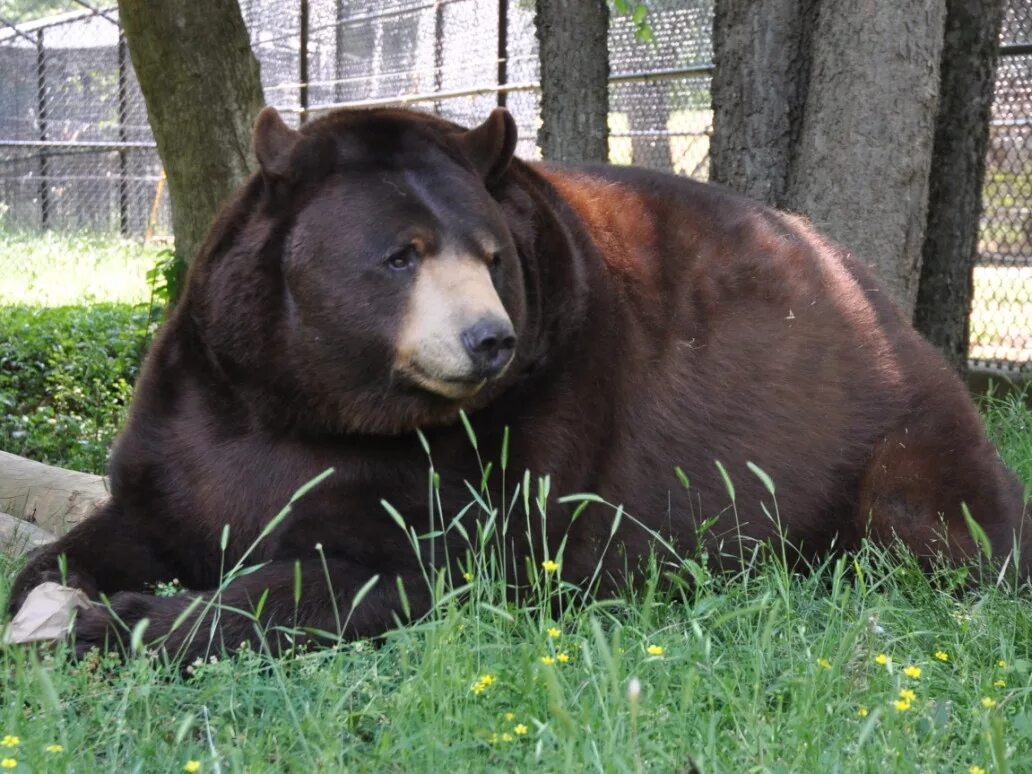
{"x": 66, "y": 376}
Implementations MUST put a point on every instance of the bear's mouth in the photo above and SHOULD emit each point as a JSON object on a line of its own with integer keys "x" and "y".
{"x": 452, "y": 387}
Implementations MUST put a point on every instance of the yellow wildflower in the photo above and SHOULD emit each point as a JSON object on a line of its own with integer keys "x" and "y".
{"x": 1001, "y": 664}
{"x": 976, "y": 770}
{"x": 192, "y": 766}
{"x": 494, "y": 738}
{"x": 8, "y": 763}
{"x": 562, "y": 658}
{"x": 510, "y": 715}
{"x": 506, "y": 737}
{"x": 654, "y": 650}
{"x": 481, "y": 684}
{"x": 942, "y": 655}
{"x": 54, "y": 748}
{"x": 1000, "y": 683}
{"x": 862, "y": 711}
{"x": 520, "y": 730}
{"x": 902, "y": 705}
{"x": 882, "y": 659}
{"x": 988, "y": 702}
{"x": 907, "y": 695}
{"x": 553, "y": 632}
{"x": 549, "y": 566}
{"x": 823, "y": 663}
{"x": 10, "y": 741}
{"x": 912, "y": 672}
{"x": 547, "y": 660}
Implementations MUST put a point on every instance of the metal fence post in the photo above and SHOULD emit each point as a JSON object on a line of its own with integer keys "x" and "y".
{"x": 503, "y": 49}
{"x": 438, "y": 53}
{"x": 303, "y": 69}
{"x": 41, "y": 115}
{"x": 123, "y": 136}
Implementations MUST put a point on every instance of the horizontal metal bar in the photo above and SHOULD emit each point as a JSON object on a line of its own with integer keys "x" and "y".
{"x": 1003, "y": 259}
{"x": 475, "y": 91}
{"x": 427, "y": 96}
{"x": 1016, "y": 49}
{"x": 703, "y": 68}
{"x": 94, "y": 145}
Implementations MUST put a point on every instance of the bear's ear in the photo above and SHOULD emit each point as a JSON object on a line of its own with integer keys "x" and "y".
{"x": 490, "y": 146}
{"x": 273, "y": 143}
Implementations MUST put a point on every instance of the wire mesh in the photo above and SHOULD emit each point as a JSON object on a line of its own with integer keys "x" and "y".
{"x": 76, "y": 151}
{"x": 1001, "y": 311}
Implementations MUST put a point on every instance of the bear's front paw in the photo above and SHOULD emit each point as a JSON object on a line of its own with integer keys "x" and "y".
{"x": 109, "y": 627}
{"x": 43, "y": 567}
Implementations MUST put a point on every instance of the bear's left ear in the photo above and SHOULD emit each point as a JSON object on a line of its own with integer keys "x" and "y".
{"x": 274, "y": 142}
{"x": 490, "y": 146}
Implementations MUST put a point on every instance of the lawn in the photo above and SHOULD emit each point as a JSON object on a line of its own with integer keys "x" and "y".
{"x": 863, "y": 664}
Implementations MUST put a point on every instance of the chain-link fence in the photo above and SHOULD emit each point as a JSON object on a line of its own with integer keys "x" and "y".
{"x": 76, "y": 151}
{"x": 1001, "y": 311}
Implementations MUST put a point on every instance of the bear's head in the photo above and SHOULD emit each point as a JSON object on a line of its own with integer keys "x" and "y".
{"x": 365, "y": 280}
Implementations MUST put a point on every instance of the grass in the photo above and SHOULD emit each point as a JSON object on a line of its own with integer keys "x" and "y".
{"x": 766, "y": 670}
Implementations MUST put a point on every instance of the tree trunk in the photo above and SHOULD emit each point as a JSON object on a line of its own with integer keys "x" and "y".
{"x": 201, "y": 85}
{"x": 829, "y": 109}
{"x": 761, "y": 52}
{"x": 572, "y": 40}
{"x": 969, "y": 59}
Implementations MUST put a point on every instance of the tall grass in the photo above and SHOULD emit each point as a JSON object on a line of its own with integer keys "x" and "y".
{"x": 862, "y": 664}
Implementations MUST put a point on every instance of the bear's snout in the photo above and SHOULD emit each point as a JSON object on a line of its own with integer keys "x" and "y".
{"x": 490, "y": 344}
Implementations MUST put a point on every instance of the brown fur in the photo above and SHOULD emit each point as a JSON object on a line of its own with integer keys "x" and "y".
{"x": 660, "y": 322}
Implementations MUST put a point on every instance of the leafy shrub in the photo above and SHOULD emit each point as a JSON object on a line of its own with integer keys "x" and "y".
{"x": 66, "y": 376}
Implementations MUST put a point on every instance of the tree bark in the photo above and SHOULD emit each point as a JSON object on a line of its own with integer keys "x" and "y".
{"x": 201, "y": 84}
{"x": 572, "y": 41}
{"x": 828, "y": 108}
{"x": 761, "y": 53}
{"x": 969, "y": 60}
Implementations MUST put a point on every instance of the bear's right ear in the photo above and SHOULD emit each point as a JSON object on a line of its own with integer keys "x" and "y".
{"x": 274, "y": 141}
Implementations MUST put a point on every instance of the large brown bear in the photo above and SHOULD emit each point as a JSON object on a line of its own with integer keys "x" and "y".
{"x": 387, "y": 270}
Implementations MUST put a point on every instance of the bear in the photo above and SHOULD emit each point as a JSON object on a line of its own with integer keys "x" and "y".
{"x": 389, "y": 288}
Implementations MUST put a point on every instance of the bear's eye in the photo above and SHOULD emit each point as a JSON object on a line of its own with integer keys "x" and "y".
{"x": 403, "y": 259}
{"x": 495, "y": 260}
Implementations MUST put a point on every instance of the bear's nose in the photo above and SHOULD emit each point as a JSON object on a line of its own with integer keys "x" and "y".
{"x": 490, "y": 344}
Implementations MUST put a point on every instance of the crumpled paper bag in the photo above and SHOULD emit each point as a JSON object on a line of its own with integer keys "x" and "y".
{"x": 45, "y": 615}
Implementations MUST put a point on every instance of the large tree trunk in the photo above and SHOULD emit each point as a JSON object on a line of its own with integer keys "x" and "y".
{"x": 572, "y": 40}
{"x": 761, "y": 52}
{"x": 969, "y": 59}
{"x": 200, "y": 81}
{"x": 835, "y": 118}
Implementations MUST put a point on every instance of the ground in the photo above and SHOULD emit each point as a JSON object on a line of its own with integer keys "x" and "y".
{"x": 860, "y": 665}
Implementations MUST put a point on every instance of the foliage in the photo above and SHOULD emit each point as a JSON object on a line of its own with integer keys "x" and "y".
{"x": 167, "y": 278}
{"x": 639, "y": 17}
{"x": 66, "y": 372}
{"x": 66, "y": 376}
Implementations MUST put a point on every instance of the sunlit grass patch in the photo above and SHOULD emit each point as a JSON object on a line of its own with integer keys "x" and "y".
{"x": 54, "y": 269}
